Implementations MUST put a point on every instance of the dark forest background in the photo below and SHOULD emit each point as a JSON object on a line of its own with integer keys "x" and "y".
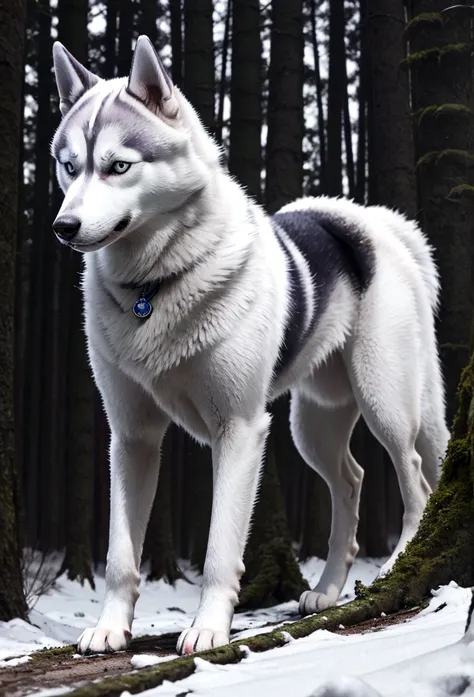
{"x": 371, "y": 99}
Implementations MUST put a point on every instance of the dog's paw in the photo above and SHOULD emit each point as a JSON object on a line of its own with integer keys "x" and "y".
{"x": 101, "y": 640}
{"x": 312, "y": 601}
{"x": 199, "y": 639}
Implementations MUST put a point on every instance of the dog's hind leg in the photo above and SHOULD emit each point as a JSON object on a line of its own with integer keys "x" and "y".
{"x": 385, "y": 374}
{"x": 322, "y": 437}
{"x": 137, "y": 427}
{"x": 237, "y": 453}
{"x": 433, "y": 437}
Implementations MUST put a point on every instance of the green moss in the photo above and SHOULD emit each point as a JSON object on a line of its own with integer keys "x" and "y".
{"x": 422, "y": 21}
{"x": 353, "y": 613}
{"x": 435, "y": 156}
{"x": 462, "y": 191}
{"x": 436, "y": 111}
{"x": 437, "y": 53}
{"x": 57, "y": 652}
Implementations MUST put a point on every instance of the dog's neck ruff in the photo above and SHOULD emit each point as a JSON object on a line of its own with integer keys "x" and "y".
{"x": 143, "y": 307}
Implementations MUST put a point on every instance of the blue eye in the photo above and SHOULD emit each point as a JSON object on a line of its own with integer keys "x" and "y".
{"x": 119, "y": 167}
{"x": 70, "y": 169}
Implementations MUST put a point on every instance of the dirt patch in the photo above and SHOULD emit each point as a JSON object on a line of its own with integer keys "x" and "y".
{"x": 52, "y": 669}
{"x": 379, "y": 623}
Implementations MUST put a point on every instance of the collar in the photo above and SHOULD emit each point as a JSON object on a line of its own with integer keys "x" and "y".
{"x": 143, "y": 307}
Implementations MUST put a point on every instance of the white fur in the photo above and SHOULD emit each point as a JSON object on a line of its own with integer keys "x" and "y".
{"x": 206, "y": 356}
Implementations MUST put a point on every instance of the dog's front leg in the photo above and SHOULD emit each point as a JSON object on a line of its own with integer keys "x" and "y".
{"x": 138, "y": 427}
{"x": 237, "y": 458}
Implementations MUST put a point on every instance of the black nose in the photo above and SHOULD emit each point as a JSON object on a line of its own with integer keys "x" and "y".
{"x": 67, "y": 226}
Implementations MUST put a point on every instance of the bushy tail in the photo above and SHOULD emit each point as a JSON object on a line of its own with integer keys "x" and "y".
{"x": 408, "y": 232}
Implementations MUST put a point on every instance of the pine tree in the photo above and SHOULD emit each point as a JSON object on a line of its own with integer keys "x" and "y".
{"x": 336, "y": 91}
{"x": 245, "y": 160}
{"x": 12, "y": 21}
{"x": 441, "y": 65}
{"x": 79, "y": 387}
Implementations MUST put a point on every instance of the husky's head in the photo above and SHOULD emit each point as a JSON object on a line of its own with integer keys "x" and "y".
{"x": 127, "y": 151}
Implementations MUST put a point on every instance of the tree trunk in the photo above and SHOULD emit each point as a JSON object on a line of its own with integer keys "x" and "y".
{"x": 272, "y": 573}
{"x": 350, "y": 172}
{"x": 223, "y": 76}
{"x": 147, "y": 21}
{"x": 319, "y": 101}
{"x": 110, "y": 38}
{"x": 199, "y": 80}
{"x": 199, "y": 462}
{"x": 361, "y": 165}
{"x": 159, "y": 545}
{"x": 284, "y": 151}
{"x": 441, "y": 65}
{"x": 392, "y": 153}
{"x": 38, "y": 417}
{"x": 245, "y": 161}
{"x": 336, "y": 89}
{"x": 79, "y": 387}
{"x": 12, "y": 21}
{"x": 176, "y": 21}
{"x": 125, "y": 33}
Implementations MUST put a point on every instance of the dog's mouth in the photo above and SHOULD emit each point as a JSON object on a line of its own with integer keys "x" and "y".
{"x": 107, "y": 239}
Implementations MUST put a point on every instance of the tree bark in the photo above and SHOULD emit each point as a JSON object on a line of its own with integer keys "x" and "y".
{"x": 110, "y": 38}
{"x": 176, "y": 21}
{"x": 159, "y": 544}
{"x": 79, "y": 387}
{"x": 12, "y": 21}
{"x": 284, "y": 151}
{"x": 392, "y": 153}
{"x": 319, "y": 101}
{"x": 245, "y": 161}
{"x": 199, "y": 79}
{"x": 125, "y": 33}
{"x": 272, "y": 573}
{"x": 223, "y": 76}
{"x": 361, "y": 165}
{"x": 441, "y": 66}
{"x": 336, "y": 88}
{"x": 147, "y": 21}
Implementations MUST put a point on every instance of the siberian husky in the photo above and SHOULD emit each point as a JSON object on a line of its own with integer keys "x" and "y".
{"x": 200, "y": 309}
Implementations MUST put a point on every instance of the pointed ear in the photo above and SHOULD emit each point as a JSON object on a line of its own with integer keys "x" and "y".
{"x": 149, "y": 82}
{"x": 72, "y": 79}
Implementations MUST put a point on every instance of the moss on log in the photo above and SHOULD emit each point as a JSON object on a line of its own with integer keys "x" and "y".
{"x": 361, "y": 609}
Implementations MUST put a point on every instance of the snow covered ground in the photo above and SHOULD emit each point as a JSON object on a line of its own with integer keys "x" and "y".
{"x": 60, "y": 616}
{"x": 397, "y": 661}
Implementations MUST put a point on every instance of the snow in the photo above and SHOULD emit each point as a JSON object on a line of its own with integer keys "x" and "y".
{"x": 60, "y": 616}
{"x": 143, "y": 660}
{"x": 425, "y": 657}
{"x": 428, "y": 656}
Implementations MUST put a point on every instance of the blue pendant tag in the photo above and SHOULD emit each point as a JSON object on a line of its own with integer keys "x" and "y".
{"x": 142, "y": 308}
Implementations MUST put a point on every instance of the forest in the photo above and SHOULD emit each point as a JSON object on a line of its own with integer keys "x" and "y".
{"x": 367, "y": 99}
